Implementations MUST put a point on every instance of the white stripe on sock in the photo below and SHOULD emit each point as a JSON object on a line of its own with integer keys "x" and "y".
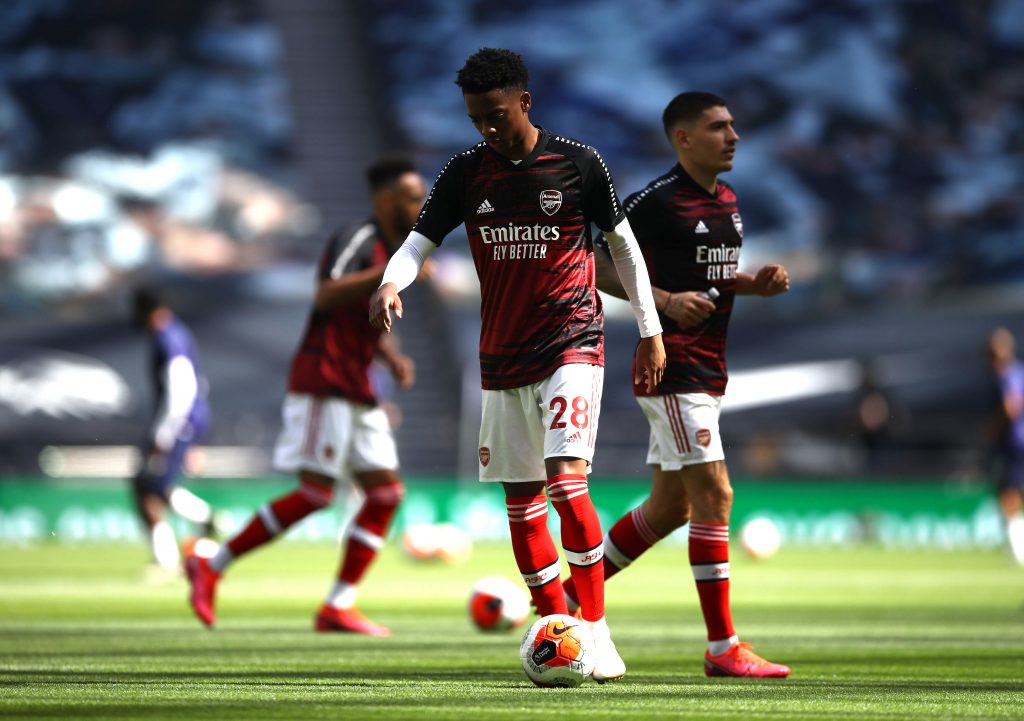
{"x": 710, "y": 571}
{"x": 539, "y": 578}
{"x": 270, "y": 522}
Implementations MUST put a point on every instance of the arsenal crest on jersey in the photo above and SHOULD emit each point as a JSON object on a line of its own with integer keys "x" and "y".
{"x": 737, "y": 222}
{"x": 485, "y": 455}
{"x": 550, "y": 201}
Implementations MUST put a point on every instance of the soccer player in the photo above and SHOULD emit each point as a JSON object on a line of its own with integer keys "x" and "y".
{"x": 181, "y": 417}
{"x": 332, "y": 421}
{"x": 689, "y": 229}
{"x": 527, "y": 198}
{"x": 1008, "y": 435}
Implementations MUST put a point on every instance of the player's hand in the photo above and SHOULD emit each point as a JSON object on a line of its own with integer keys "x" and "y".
{"x": 650, "y": 362}
{"x": 689, "y": 308}
{"x": 403, "y": 370}
{"x": 384, "y": 299}
{"x": 771, "y": 280}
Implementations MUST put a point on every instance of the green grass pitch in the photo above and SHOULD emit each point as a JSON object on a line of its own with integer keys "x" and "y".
{"x": 870, "y": 634}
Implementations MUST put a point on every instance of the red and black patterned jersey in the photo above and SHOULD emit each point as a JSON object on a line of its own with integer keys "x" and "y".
{"x": 334, "y": 356}
{"x": 691, "y": 241}
{"x": 528, "y": 225}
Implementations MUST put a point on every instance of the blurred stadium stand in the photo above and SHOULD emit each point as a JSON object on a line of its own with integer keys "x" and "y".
{"x": 211, "y": 145}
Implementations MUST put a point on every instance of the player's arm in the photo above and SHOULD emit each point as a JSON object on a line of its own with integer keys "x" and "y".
{"x": 333, "y": 293}
{"x": 771, "y": 279}
{"x": 403, "y": 268}
{"x": 688, "y": 308}
{"x": 402, "y": 367}
{"x": 632, "y": 273}
{"x": 182, "y": 387}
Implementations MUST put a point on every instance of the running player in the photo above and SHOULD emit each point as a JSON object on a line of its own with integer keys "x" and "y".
{"x": 181, "y": 417}
{"x": 689, "y": 229}
{"x": 527, "y": 198}
{"x": 332, "y": 422}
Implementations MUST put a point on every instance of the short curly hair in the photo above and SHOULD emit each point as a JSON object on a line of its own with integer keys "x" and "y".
{"x": 493, "y": 68}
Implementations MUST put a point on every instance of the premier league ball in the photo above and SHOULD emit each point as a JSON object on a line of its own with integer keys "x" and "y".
{"x": 760, "y": 537}
{"x": 497, "y": 604}
{"x": 557, "y": 651}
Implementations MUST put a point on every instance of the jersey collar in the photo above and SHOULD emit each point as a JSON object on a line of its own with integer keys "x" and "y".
{"x": 686, "y": 179}
{"x": 542, "y": 142}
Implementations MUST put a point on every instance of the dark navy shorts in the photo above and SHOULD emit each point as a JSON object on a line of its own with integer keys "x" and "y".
{"x": 161, "y": 478}
{"x": 1010, "y": 471}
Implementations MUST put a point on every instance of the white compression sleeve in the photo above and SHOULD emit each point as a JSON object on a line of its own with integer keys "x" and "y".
{"x": 405, "y": 264}
{"x": 182, "y": 387}
{"x": 629, "y": 263}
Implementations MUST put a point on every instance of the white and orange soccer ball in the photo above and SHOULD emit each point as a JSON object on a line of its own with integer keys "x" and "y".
{"x": 557, "y": 651}
{"x": 443, "y": 542}
{"x": 760, "y": 537}
{"x": 498, "y": 604}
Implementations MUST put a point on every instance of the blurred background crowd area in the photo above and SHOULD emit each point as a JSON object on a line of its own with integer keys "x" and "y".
{"x": 209, "y": 146}
{"x": 882, "y": 149}
{"x": 138, "y": 137}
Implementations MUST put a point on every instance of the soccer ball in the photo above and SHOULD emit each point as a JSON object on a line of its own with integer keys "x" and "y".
{"x": 497, "y": 604}
{"x": 443, "y": 542}
{"x": 453, "y": 544}
{"x": 420, "y": 541}
{"x": 557, "y": 651}
{"x": 760, "y": 537}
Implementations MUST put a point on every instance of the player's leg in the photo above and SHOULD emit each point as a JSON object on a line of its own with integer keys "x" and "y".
{"x": 192, "y": 508}
{"x": 153, "y": 485}
{"x": 570, "y": 405}
{"x": 534, "y": 549}
{"x": 662, "y": 512}
{"x": 307, "y": 445}
{"x": 511, "y": 453}
{"x": 706, "y": 479}
{"x": 374, "y": 462}
{"x": 1009, "y": 495}
{"x": 162, "y": 544}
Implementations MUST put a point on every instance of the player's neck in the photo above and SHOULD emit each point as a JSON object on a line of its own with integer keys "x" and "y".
{"x": 522, "y": 150}
{"x": 704, "y": 178}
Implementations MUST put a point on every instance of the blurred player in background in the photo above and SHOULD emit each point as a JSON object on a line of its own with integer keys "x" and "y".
{"x": 333, "y": 423}
{"x": 181, "y": 417}
{"x": 527, "y": 198}
{"x": 1008, "y": 435}
{"x": 689, "y": 229}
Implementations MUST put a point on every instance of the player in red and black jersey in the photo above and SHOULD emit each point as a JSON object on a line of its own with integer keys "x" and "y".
{"x": 690, "y": 232}
{"x": 527, "y": 198}
{"x": 332, "y": 420}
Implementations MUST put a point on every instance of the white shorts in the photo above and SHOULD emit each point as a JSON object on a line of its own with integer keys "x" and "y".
{"x": 684, "y": 429}
{"x": 331, "y": 435}
{"x": 554, "y": 417}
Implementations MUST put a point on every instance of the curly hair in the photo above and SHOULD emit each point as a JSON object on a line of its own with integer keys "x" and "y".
{"x": 492, "y": 68}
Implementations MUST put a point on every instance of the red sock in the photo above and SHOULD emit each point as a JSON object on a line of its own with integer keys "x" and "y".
{"x": 709, "y": 561}
{"x": 367, "y": 531}
{"x": 276, "y": 517}
{"x": 624, "y": 543}
{"x": 581, "y": 540}
{"x": 535, "y": 552}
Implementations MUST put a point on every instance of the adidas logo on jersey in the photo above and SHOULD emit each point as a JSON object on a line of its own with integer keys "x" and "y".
{"x": 485, "y": 207}
{"x": 701, "y": 228}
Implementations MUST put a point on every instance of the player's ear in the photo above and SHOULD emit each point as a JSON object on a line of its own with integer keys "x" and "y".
{"x": 525, "y": 101}
{"x": 681, "y": 137}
